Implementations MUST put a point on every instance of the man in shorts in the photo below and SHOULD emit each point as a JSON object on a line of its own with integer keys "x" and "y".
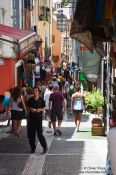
{"x": 56, "y": 104}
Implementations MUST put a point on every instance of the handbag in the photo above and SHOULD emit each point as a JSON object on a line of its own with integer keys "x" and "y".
{"x": 5, "y": 116}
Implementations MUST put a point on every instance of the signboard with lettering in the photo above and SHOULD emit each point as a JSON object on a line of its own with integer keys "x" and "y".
{"x": 27, "y": 44}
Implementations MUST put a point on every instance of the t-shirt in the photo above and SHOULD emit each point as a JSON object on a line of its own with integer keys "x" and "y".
{"x": 15, "y": 104}
{"x": 46, "y": 98}
{"x": 32, "y": 103}
{"x": 56, "y": 98}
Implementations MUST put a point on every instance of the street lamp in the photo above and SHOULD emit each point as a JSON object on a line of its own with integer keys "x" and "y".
{"x": 61, "y": 21}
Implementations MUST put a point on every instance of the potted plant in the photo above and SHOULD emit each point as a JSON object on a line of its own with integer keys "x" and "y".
{"x": 94, "y": 101}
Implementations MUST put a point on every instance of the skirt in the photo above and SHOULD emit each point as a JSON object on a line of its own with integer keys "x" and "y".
{"x": 17, "y": 115}
{"x": 78, "y": 111}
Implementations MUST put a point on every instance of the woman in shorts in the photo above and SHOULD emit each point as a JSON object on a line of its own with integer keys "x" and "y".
{"x": 77, "y": 103}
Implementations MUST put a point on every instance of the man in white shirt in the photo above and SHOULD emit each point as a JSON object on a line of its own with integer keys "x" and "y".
{"x": 47, "y": 93}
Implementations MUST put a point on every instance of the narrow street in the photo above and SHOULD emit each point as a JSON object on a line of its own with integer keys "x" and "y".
{"x": 71, "y": 154}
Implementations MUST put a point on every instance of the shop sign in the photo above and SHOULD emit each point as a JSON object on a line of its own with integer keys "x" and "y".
{"x": 27, "y": 44}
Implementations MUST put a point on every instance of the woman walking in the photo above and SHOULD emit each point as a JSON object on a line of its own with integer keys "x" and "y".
{"x": 77, "y": 103}
{"x": 36, "y": 107}
{"x": 18, "y": 110}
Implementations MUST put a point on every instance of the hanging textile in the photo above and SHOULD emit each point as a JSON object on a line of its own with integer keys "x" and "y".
{"x": 84, "y": 23}
{"x": 81, "y": 76}
{"x": 99, "y": 11}
{"x": 109, "y": 9}
{"x": 91, "y": 24}
{"x": 90, "y": 63}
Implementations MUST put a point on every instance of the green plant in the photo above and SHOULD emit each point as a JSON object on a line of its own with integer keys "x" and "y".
{"x": 94, "y": 99}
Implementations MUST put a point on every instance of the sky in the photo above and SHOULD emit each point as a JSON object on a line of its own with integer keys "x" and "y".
{"x": 55, "y": 1}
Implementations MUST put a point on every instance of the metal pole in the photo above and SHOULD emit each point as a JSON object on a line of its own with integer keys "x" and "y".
{"x": 66, "y": 43}
{"x": 102, "y": 75}
{"x": 108, "y": 86}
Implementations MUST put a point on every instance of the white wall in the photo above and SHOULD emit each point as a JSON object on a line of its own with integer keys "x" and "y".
{"x": 7, "y": 19}
{"x": 6, "y": 49}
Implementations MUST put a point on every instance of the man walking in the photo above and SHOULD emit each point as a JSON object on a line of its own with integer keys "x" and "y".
{"x": 47, "y": 93}
{"x": 56, "y": 105}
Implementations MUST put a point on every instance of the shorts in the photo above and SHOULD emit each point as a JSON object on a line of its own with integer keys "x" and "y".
{"x": 56, "y": 115}
{"x": 17, "y": 115}
{"x": 78, "y": 111}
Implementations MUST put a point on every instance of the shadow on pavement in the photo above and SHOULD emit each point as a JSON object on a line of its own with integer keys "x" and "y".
{"x": 14, "y": 154}
{"x": 85, "y": 118}
{"x": 64, "y": 157}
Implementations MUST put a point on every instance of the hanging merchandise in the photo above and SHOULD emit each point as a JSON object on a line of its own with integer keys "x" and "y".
{"x": 42, "y": 73}
{"x": 59, "y": 70}
{"x": 100, "y": 11}
{"x": 81, "y": 76}
{"x": 30, "y": 83}
{"x": 109, "y": 9}
{"x": 82, "y": 22}
{"x": 93, "y": 23}
{"x": 90, "y": 63}
{"x": 23, "y": 72}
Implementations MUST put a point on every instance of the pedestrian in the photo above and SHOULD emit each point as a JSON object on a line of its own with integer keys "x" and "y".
{"x": 77, "y": 104}
{"x": 1, "y": 103}
{"x": 6, "y": 104}
{"x": 29, "y": 93}
{"x": 18, "y": 110}
{"x": 111, "y": 138}
{"x": 70, "y": 91}
{"x": 56, "y": 106}
{"x": 47, "y": 93}
{"x": 36, "y": 107}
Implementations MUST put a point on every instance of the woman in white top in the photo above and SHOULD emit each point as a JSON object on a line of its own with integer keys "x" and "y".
{"x": 18, "y": 110}
{"x": 77, "y": 104}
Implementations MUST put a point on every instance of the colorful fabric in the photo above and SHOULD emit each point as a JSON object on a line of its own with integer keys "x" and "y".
{"x": 109, "y": 9}
{"x": 99, "y": 10}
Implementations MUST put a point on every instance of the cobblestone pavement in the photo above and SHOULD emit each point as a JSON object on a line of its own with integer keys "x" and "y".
{"x": 67, "y": 155}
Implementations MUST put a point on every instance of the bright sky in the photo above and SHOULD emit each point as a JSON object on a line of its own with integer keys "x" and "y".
{"x": 55, "y": 1}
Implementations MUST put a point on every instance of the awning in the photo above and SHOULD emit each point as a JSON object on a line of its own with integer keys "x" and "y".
{"x": 94, "y": 22}
{"x": 24, "y": 38}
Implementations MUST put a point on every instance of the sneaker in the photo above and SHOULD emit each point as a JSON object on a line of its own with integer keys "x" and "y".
{"x": 49, "y": 124}
{"x": 59, "y": 132}
{"x": 55, "y": 133}
{"x": 77, "y": 129}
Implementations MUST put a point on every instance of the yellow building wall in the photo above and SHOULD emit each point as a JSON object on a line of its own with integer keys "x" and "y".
{"x": 56, "y": 47}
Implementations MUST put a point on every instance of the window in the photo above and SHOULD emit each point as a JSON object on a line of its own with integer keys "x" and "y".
{"x": 2, "y": 12}
{"x": 58, "y": 6}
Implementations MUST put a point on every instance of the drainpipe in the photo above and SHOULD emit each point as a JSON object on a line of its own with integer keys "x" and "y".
{"x": 108, "y": 86}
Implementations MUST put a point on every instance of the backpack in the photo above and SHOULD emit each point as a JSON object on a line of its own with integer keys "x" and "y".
{"x": 71, "y": 90}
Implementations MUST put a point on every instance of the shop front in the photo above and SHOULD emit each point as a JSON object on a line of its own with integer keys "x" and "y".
{"x": 16, "y": 44}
